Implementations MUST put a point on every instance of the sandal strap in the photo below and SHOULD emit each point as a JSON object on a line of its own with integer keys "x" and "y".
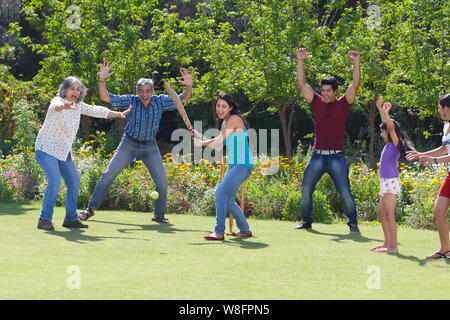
{"x": 87, "y": 213}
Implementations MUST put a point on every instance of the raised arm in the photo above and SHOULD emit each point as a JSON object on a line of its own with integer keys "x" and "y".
{"x": 306, "y": 90}
{"x": 389, "y": 124}
{"x": 104, "y": 73}
{"x": 187, "y": 81}
{"x": 350, "y": 95}
{"x": 380, "y": 108}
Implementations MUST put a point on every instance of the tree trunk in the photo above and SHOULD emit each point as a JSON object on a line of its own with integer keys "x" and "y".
{"x": 371, "y": 117}
{"x": 86, "y": 128}
{"x": 286, "y": 125}
{"x": 120, "y": 127}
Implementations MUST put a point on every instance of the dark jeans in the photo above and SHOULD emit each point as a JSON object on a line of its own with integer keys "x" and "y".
{"x": 336, "y": 166}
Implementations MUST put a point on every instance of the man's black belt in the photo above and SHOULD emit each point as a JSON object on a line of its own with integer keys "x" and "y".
{"x": 137, "y": 141}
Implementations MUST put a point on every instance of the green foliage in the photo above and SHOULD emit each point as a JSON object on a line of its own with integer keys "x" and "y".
{"x": 24, "y": 97}
{"x": 246, "y": 48}
{"x": 320, "y": 210}
{"x": 192, "y": 187}
{"x": 23, "y": 173}
{"x": 78, "y": 35}
{"x": 266, "y": 197}
{"x": 25, "y": 126}
{"x": 365, "y": 186}
{"x": 7, "y": 190}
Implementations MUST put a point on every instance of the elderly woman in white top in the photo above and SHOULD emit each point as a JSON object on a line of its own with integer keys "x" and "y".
{"x": 54, "y": 148}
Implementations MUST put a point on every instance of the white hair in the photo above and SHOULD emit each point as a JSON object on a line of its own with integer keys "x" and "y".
{"x": 142, "y": 82}
{"x": 67, "y": 82}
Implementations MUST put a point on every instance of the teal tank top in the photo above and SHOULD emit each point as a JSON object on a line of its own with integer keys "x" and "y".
{"x": 238, "y": 149}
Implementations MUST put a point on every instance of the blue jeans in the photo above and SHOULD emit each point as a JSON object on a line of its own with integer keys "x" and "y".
{"x": 54, "y": 169}
{"x": 225, "y": 196}
{"x": 336, "y": 166}
{"x": 126, "y": 152}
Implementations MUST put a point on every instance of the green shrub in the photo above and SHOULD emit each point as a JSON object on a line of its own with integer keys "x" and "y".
{"x": 320, "y": 209}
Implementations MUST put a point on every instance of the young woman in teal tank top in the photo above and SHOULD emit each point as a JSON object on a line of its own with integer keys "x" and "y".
{"x": 240, "y": 165}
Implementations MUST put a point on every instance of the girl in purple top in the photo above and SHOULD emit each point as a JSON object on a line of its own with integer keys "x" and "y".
{"x": 390, "y": 185}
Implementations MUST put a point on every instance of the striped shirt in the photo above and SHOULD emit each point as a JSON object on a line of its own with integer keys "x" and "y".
{"x": 143, "y": 123}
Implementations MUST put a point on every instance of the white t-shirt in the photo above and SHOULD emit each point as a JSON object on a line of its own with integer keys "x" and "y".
{"x": 60, "y": 127}
{"x": 446, "y": 141}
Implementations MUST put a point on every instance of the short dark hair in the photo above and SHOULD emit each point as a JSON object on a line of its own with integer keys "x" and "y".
{"x": 444, "y": 101}
{"x": 331, "y": 81}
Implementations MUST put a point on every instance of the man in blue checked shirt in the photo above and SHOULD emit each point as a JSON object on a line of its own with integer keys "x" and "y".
{"x": 138, "y": 140}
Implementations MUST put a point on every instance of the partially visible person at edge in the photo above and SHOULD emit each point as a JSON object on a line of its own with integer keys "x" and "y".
{"x": 330, "y": 117}
{"x": 435, "y": 156}
{"x": 233, "y": 135}
{"x": 54, "y": 149}
{"x": 139, "y": 139}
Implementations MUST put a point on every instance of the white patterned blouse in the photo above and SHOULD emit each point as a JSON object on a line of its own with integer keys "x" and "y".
{"x": 60, "y": 127}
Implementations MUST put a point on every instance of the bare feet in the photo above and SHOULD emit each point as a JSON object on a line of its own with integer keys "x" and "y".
{"x": 214, "y": 236}
{"x": 386, "y": 249}
{"x": 378, "y": 247}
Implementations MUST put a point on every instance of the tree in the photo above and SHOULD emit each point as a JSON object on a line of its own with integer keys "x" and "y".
{"x": 403, "y": 56}
{"x": 78, "y": 35}
{"x": 251, "y": 46}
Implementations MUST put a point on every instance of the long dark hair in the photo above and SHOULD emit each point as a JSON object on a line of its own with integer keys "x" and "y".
{"x": 444, "y": 101}
{"x": 404, "y": 143}
{"x": 233, "y": 104}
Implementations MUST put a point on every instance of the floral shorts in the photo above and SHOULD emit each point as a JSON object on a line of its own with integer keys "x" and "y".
{"x": 392, "y": 186}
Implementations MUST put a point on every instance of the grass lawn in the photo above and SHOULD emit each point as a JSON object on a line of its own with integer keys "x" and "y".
{"x": 124, "y": 255}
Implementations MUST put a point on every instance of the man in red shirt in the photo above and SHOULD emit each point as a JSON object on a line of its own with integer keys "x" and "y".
{"x": 330, "y": 116}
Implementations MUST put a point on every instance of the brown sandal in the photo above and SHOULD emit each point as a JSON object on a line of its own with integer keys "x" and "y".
{"x": 238, "y": 234}
{"x": 86, "y": 214}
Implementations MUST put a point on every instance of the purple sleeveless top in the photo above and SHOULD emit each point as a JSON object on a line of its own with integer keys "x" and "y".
{"x": 388, "y": 161}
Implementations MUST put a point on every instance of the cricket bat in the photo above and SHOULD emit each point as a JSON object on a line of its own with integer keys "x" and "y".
{"x": 179, "y": 105}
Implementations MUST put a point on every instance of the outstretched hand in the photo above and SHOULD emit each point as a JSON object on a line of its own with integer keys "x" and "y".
{"x": 380, "y": 103}
{"x": 354, "y": 55}
{"x": 187, "y": 77}
{"x": 68, "y": 106}
{"x": 197, "y": 142}
{"x": 412, "y": 155}
{"x": 302, "y": 54}
{"x": 387, "y": 107}
{"x": 123, "y": 115}
{"x": 383, "y": 107}
{"x": 105, "y": 70}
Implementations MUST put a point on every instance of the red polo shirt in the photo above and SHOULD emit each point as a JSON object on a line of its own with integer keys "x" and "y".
{"x": 329, "y": 123}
